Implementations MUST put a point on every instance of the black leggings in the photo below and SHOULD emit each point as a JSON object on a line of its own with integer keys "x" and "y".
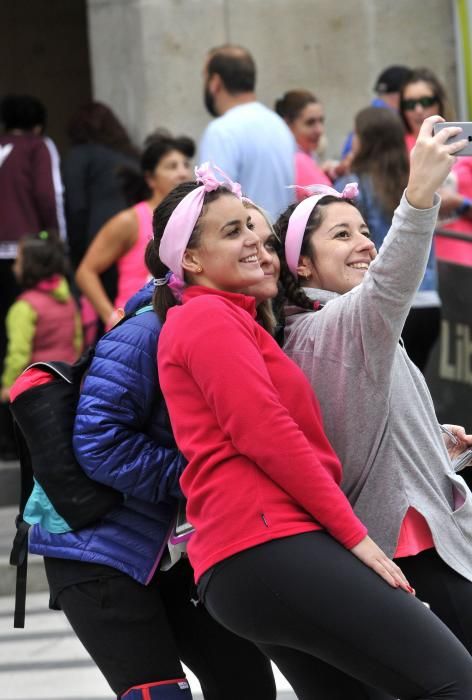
{"x": 331, "y": 624}
{"x": 447, "y": 593}
{"x": 420, "y": 332}
{"x": 137, "y": 634}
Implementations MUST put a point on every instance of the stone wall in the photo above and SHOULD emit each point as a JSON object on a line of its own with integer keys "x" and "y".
{"x": 147, "y": 55}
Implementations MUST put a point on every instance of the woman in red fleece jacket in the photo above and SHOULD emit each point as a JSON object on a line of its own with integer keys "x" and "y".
{"x": 279, "y": 555}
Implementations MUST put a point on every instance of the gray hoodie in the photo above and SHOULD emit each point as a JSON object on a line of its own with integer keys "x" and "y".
{"x": 377, "y": 409}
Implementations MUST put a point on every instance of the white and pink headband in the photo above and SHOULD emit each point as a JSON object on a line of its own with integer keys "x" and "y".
{"x": 300, "y": 215}
{"x": 182, "y": 221}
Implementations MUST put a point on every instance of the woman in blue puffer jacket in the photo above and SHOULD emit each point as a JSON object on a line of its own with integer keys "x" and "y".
{"x": 136, "y": 621}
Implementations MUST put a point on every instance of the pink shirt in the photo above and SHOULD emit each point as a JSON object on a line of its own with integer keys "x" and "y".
{"x": 132, "y": 271}
{"x": 308, "y": 172}
{"x": 462, "y": 170}
{"x": 415, "y": 535}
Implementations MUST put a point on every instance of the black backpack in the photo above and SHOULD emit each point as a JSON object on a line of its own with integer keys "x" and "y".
{"x": 44, "y": 420}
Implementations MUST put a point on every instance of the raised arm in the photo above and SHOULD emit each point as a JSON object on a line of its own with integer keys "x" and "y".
{"x": 112, "y": 241}
{"x": 375, "y": 311}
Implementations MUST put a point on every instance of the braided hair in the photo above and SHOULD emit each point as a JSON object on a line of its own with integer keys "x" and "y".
{"x": 292, "y": 288}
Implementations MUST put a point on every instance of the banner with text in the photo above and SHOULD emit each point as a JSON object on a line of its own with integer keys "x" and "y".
{"x": 449, "y": 372}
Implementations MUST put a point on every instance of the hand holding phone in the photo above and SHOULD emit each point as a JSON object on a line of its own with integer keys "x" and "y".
{"x": 466, "y": 134}
{"x": 462, "y": 461}
{"x": 458, "y": 445}
{"x": 431, "y": 161}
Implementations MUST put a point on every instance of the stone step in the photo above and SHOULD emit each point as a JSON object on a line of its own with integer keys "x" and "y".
{"x": 36, "y": 575}
{"x": 45, "y": 661}
{"x": 9, "y": 483}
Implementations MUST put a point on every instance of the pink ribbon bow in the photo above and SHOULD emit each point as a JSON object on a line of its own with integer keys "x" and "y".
{"x": 182, "y": 221}
{"x": 205, "y": 174}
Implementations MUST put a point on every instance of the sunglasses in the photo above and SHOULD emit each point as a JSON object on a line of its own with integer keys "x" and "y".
{"x": 410, "y": 105}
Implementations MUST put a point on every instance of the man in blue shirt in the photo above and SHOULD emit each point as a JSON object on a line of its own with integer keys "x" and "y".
{"x": 251, "y": 143}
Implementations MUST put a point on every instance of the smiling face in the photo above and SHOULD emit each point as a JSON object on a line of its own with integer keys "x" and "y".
{"x": 172, "y": 169}
{"x": 341, "y": 251}
{"x": 308, "y": 126}
{"x": 227, "y": 256}
{"x": 415, "y": 112}
{"x": 268, "y": 259}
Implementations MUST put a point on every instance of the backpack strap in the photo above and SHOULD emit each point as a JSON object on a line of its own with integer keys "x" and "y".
{"x": 138, "y": 312}
{"x": 143, "y": 310}
{"x": 19, "y": 552}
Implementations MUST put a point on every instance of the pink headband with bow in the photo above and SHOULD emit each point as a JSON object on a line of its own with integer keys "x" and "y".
{"x": 182, "y": 221}
{"x": 300, "y": 215}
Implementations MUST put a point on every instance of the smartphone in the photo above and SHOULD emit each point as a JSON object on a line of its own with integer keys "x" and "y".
{"x": 463, "y": 460}
{"x": 466, "y": 134}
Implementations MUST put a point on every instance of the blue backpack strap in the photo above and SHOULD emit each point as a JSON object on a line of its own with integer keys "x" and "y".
{"x": 143, "y": 310}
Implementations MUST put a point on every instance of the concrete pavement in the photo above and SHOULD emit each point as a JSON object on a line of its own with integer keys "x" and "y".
{"x": 45, "y": 661}
{"x": 9, "y": 483}
{"x": 36, "y": 576}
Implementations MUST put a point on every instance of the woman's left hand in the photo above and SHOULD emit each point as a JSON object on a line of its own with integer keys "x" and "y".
{"x": 463, "y": 440}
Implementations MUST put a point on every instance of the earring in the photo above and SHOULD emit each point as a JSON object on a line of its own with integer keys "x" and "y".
{"x": 199, "y": 269}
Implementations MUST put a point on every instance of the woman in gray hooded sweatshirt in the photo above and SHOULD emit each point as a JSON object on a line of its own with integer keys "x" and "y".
{"x": 348, "y": 308}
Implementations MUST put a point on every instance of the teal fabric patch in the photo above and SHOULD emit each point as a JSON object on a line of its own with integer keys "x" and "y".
{"x": 144, "y": 310}
{"x": 40, "y": 511}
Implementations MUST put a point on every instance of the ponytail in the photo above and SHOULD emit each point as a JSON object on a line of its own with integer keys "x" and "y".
{"x": 162, "y": 298}
{"x": 293, "y": 291}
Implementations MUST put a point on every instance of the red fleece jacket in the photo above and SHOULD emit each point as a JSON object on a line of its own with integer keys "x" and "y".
{"x": 244, "y": 415}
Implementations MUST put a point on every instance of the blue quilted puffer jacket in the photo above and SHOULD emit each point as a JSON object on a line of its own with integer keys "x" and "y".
{"x": 123, "y": 438}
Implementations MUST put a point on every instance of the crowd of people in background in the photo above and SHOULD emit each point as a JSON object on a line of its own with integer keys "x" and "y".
{"x": 274, "y": 290}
